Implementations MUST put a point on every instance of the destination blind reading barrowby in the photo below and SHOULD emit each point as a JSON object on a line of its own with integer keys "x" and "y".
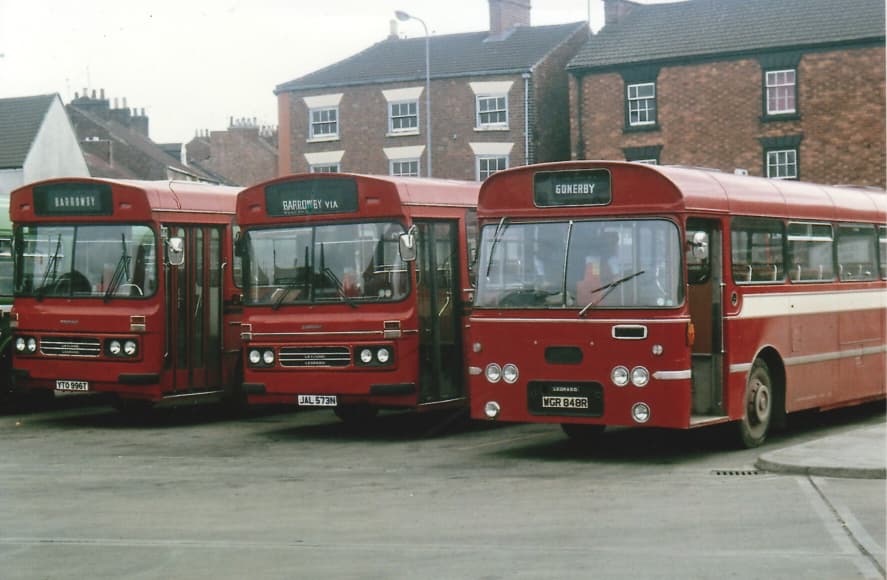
{"x": 73, "y": 199}
{"x": 565, "y": 188}
{"x": 311, "y": 197}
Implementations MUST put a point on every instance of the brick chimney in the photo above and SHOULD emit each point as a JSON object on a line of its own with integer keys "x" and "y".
{"x": 506, "y": 14}
{"x": 616, "y": 10}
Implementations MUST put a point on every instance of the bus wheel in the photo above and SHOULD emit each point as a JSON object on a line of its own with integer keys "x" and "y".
{"x": 585, "y": 434}
{"x": 356, "y": 415}
{"x": 755, "y": 422}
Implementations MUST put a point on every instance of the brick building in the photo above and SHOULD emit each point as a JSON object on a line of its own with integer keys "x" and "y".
{"x": 789, "y": 89}
{"x": 489, "y": 90}
{"x": 244, "y": 154}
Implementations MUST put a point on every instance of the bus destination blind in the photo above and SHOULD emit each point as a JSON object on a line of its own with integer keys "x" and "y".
{"x": 571, "y": 188}
{"x": 73, "y": 199}
{"x": 311, "y": 197}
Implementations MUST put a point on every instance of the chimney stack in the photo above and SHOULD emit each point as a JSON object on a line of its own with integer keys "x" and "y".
{"x": 616, "y": 10}
{"x": 392, "y": 29}
{"x": 507, "y": 14}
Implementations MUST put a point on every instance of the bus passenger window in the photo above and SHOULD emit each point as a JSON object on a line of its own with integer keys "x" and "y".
{"x": 856, "y": 253}
{"x": 756, "y": 250}
{"x": 810, "y": 247}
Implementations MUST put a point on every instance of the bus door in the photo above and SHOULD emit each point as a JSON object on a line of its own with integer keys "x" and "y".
{"x": 194, "y": 290}
{"x": 438, "y": 264}
{"x": 705, "y": 296}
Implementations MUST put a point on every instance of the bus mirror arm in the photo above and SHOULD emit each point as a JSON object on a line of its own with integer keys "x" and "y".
{"x": 407, "y": 245}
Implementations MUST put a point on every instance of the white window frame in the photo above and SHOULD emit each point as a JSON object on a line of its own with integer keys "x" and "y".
{"x": 392, "y": 130}
{"x": 395, "y": 167}
{"x": 639, "y": 105}
{"x": 325, "y": 168}
{"x": 498, "y": 111}
{"x": 313, "y": 124}
{"x": 784, "y": 91}
{"x": 483, "y": 173}
{"x": 782, "y": 163}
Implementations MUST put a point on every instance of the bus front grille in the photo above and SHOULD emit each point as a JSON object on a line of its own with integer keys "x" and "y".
{"x": 317, "y": 356}
{"x": 70, "y": 346}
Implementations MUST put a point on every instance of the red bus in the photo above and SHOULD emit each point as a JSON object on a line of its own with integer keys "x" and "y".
{"x": 637, "y": 295}
{"x": 334, "y": 315}
{"x": 125, "y": 287}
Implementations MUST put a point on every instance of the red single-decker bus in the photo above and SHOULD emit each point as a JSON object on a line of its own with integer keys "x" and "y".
{"x": 125, "y": 287}
{"x": 354, "y": 289}
{"x": 614, "y": 293}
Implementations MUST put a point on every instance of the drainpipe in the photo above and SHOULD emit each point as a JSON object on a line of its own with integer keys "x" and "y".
{"x": 526, "y": 77}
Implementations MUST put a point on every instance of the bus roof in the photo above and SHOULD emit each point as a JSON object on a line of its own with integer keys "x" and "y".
{"x": 392, "y": 195}
{"x": 652, "y": 189}
{"x": 169, "y": 195}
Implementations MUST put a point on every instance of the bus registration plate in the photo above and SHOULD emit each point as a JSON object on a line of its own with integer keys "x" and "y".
{"x": 61, "y": 385}
{"x": 318, "y": 400}
{"x": 551, "y": 402}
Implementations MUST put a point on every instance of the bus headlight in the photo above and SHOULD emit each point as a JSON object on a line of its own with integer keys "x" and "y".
{"x": 32, "y": 345}
{"x": 493, "y": 372}
{"x": 640, "y": 376}
{"x": 268, "y": 357}
{"x": 130, "y": 348}
{"x": 20, "y": 344}
{"x": 491, "y": 409}
{"x": 619, "y": 376}
{"x": 114, "y": 347}
{"x": 510, "y": 373}
{"x": 640, "y": 412}
{"x": 383, "y": 355}
{"x": 255, "y": 357}
{"x": 366, "y": 356}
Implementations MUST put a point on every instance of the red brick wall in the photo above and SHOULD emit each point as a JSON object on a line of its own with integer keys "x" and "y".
{"x": 710, "y": 115}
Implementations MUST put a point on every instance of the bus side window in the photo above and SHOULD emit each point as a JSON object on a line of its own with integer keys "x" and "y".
{"x": 757, "y": 250}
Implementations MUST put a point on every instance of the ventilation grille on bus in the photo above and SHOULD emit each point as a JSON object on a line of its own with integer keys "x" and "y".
{"x": 317, "y": 356}
{"x": 70, "y": 346}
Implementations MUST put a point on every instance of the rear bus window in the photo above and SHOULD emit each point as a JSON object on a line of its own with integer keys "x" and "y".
{"x": 756, "y": 251}
{"x": 810, "y": 250}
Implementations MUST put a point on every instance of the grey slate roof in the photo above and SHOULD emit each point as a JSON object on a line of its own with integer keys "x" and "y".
{"x": 20, "y": 120}
{"x": 700, "y": 28}
{"x": 452, "y": 55}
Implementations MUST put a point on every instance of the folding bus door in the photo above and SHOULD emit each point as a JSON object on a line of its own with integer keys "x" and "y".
{"x": 195, "y": 310}
{"x": 440, "y": 347}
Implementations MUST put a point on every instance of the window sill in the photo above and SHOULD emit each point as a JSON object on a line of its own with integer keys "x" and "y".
{"x": 641, "y": 128}
{"x": 325, "y": 139}
{"x": 492, "y": 128}
{"x": 780, "y": 117}
{"x": 402, "y": 133}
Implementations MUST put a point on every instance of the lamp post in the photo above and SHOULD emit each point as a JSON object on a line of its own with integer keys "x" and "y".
{"x": 403, "y": 17}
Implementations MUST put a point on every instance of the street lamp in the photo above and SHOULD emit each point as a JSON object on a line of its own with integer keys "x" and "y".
{"x": 403, "y": 17}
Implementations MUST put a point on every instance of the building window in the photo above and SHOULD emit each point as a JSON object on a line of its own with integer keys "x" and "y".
{"x": 781, "y": 92}
{"x": 649, "y": 154}
{"x": 324, "y": 123}
{"x": 782, "y": 164}
{"x": 404, "y": 167}
{"x": 641, "y": 104}
{"x": 403, "y": 117}
{"x": 492, "y": 112}
{"x": 325, "y": 168}
{"x": 487, "y": 166}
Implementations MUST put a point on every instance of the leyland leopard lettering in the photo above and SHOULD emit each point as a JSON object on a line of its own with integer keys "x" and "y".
{"x": 673, "y": 297}
{"x": 355, "y": 288}
{"x": 125, "y": 287}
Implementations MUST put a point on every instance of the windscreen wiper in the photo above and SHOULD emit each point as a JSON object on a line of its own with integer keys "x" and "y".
{"x": 497, "y": 235}
{"x": 120, "y": 272}
{"x": 609, "y": 288}
{"x": 51, "y": 268}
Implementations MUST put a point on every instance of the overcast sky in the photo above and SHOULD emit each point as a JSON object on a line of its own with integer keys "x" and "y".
{"x": 194, "y": 64}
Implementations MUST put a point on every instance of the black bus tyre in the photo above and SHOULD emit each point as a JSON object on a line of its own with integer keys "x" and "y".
{"x": 585, "y": 434}
{"x": 758, "y": 406}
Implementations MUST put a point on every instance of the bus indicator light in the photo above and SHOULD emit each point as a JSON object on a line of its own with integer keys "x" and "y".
{"x": 691, "y": 334}
{"x": 657, "y": 350}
